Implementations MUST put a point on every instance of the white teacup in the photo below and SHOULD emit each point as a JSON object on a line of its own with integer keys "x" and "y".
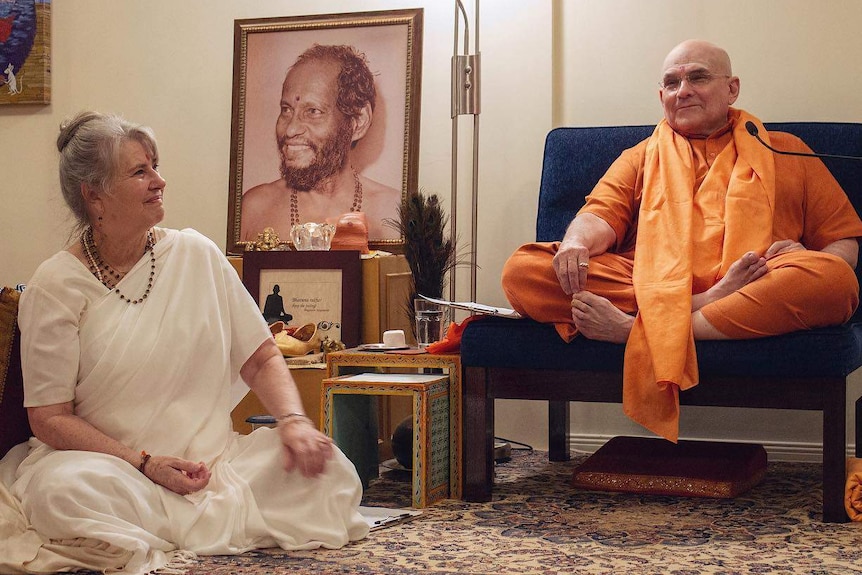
{"x": 394, "y": 338}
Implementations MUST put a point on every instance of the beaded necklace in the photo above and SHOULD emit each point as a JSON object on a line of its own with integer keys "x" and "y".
{"x": 356, "y": 207}
{"x": 112, "y": 277}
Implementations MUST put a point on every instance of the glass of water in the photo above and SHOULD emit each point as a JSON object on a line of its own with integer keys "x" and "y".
{"x": 432, "y": 319}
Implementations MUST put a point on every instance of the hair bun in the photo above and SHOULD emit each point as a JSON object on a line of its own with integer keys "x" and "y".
{"x": 68, "y": 128}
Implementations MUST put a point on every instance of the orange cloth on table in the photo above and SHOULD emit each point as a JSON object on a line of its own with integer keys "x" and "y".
{"x": 853, "y": 489}
{"x": 660, "y": 357}
{"x": 451, "y": 343}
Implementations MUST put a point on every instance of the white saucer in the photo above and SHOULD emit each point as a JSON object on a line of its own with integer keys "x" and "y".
{"x": 381, "y": 347}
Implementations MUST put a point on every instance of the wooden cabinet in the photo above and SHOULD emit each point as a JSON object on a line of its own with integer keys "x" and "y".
{"x": 308, "y": 380}
{"x": 386, "y": 289}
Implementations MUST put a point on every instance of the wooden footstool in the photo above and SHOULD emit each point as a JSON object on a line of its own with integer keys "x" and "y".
{"x": 685, "y": 469}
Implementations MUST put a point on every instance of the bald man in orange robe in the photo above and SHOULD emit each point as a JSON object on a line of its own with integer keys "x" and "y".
{"x": 732, "y": 242}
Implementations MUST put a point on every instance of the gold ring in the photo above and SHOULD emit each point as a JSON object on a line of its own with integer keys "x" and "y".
{"x": 583, "y": 265}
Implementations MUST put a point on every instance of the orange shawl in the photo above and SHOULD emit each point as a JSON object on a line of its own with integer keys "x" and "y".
{"x": 660, "y": 356}
{"x": 853, "y": 489}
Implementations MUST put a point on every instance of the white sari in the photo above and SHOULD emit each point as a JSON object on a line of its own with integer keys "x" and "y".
{"x": 156, "y": 376}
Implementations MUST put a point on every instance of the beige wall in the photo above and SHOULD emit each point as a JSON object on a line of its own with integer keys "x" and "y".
{"x": 544, "y": 63}
{"x": 796, "y": 58}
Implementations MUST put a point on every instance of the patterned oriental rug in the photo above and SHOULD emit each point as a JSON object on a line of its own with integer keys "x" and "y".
{"x": 538, "y": 524}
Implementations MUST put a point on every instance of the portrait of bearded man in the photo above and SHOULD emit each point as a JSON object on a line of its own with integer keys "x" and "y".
{"x": 327, "y": 105}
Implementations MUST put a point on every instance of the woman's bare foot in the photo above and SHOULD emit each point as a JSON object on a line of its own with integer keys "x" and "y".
{"x": 597, "y": 318}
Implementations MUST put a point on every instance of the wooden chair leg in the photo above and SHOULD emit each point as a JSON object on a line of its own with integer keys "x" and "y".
{"x": 478, "y": 436}
{"x": 857, "y": 428}
{"x": 559, "y": 448}
{"x": 834, "y": 454}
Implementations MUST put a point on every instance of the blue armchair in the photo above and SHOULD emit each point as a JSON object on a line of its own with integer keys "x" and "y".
{"x": 523, "y": 359}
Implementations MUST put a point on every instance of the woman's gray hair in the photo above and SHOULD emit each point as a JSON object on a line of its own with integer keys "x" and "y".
{"x": 89, "y": 146}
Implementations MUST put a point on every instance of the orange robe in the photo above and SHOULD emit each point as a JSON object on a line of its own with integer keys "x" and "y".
{"x": 853, "y": 489}
{"x": 800, "y": 201}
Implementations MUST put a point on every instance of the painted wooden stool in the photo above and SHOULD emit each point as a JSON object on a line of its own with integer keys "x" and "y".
{"x": 430, "y": 394}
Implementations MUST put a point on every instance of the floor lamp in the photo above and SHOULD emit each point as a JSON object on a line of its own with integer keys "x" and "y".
{"x": 465, "y": 102}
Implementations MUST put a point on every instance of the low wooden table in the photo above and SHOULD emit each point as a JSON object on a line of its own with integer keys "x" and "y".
{"x": 354, "y": 360}
{"x": 430, "y": 445}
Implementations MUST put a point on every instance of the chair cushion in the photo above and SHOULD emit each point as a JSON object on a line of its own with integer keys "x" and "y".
{"x": 524, "y": 343}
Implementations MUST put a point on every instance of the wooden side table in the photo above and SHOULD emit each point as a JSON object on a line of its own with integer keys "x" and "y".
{"x": 430, "y": 395}
{"x": 353, "y": 360}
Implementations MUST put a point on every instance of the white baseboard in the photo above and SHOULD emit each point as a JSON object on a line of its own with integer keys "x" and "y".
{"x": 783, "y": 451}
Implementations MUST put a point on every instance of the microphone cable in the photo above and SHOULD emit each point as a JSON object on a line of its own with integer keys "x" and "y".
{"x": 752, "y": 129}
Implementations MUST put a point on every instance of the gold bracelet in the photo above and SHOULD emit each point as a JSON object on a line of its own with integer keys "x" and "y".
{"x": 291, "y": 417}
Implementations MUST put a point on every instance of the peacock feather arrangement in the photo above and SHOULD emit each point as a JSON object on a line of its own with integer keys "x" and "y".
{"x": 429, "y": 251}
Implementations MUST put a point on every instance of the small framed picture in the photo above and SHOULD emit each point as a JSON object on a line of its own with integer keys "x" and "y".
{"x": 325, "y": 121}
{"x": 316, "y": 287}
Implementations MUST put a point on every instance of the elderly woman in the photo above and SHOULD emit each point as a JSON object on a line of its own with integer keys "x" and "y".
{"x": 131, "y": 339}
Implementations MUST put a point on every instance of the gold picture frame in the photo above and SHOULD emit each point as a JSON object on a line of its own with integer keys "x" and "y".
{"x": 384, "y": 159}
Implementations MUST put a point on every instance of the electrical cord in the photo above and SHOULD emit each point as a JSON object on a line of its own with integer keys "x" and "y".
{"x": 513, "y": 443}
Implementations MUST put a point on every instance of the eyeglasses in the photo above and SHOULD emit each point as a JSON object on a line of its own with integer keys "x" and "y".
{"x": 695, "y": 79}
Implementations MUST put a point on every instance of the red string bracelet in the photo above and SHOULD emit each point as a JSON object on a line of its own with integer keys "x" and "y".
{"x": 144, "y": 458}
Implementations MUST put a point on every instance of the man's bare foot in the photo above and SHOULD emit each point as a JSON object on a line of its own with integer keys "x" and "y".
{"x": 597, "y": 318}
{"x": 740, "y": 273}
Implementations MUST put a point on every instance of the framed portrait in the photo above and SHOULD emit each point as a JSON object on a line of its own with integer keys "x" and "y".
{"x": 325, "y": 121}
{"x": 25, "y": 52}
{"x": 316, "y": 287}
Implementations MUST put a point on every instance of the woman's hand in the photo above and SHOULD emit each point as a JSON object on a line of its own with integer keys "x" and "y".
{"x": 58, "y": 426}
{"x": 178, "y": 475}
{"x": 305, "y": 448}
